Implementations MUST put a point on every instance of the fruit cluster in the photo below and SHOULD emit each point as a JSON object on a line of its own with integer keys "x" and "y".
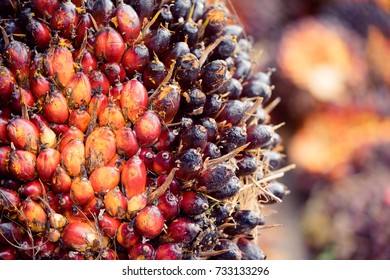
{"x": 132, "y": 130}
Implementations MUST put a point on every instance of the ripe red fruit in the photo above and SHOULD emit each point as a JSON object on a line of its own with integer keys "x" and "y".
{"x": 99, "y": 82}
{"x": 128, "y": 22}
{"x": 149, "y": 222}
{"x": 167, "y": 102}
{"x": 171, "y": 251}
{"x": 38, "y": 33}
{"x": 168, "y": 204}
{"x": 60, "y": 180}
{"x": 112, "y": 117}
{"x": 65, "y": 19}
{"x": 81, "y": 191}
{"x": 114, "y": 72}
{"x": 133, "y": 177}
{"x": 72, "y": 157}
{"x": 99, "y": 147}
{"x": 24, "y": 134}
{"x": 127, "y": 236}
{"x": 21, "y": 165}
{"x": 7, "y": 81}
{"x": 141, "y": 251}
{"x": 109, "y": 45}
{"x": 33, "y": 215}
{"x": 80, "y": 118}
{"x": 193, "y": 203}
{"x": 105, "y": 178}
{"x": 135, "y": 59}
{"x": 182, "y": 230}
{"x": 134, "y": 100}
{"x": 58, "y": 61}
{"x": 147, "y": 128}
{"x": 126, "y": 142}
{"x": 39, "y": 86}
{"x": 4, "y": 158}
{"x": 115, "y": 203}
{"x": 47, "y": 161}
{"x": 108, "y": 224}
{"x": 80, "y": 236}
{"x": 55, "y": 108}
{"x": 18, "y": 57}
{"x": 164, "y": 162}
{"x": 78, "y": 90}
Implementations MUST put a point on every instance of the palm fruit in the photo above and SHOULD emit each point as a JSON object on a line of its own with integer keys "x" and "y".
{"x": 136, "y": 129}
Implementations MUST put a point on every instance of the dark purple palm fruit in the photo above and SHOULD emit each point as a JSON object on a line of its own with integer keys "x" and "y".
{"x": 249, "y": 250}
{"x": 229, "y": 250}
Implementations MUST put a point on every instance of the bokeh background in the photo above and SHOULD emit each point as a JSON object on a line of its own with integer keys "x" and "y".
{"x": 332, "y": 75}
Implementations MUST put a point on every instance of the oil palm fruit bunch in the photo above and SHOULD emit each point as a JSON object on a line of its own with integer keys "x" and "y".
{"x": 132, "y": 130}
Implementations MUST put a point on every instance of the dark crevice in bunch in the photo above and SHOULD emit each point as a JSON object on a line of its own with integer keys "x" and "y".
{"x": 197, "y": 70}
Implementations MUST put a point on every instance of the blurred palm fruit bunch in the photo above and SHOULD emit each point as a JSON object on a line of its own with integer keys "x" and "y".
{"x": 132, "y": 130}
{"x": 348, "y": 219}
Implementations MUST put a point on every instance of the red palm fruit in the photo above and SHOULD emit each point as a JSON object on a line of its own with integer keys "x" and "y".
{"x": 167, "y": 102}
{"x": 65, "y": 19}
{"x": 21, "y": 165}
{"x": 9, "y": 201}
{"x": 109, "y": 254}
{"x": 149, "y": 222}
{"x": 109, "y": 45}
{"x": 102, "y": 11}
{"x": 18, "y": 57}
{"x": 71, "y": 134}
{"x": 126, "y": 142}
{"x": 39, "y": 120}
{"x": 10, "y": 232}
{"x": 141, "y": 251}
{"x": 104, "y": 179}
{"x": 193, "y": 203}
{"x": 58, "y": 60}
{"x": 52, "y": 200}
{"x": 47, "y": 136}
{"x": 65, "y": 203}
{"x": 8, "y": 253}
{"x": 7, "y": 82}
{"x": 182, "y": 230}
{"x": 48, "y": 160}
{"x": 128, "y": 22}
{"x": 98, "y": 103}
{"x": 134, "y": 99}
{"x": 80, "y": 236}
{"x": 147, "y": 128}
{"x": 33, "y": 215}
{"x": 115, "y": 93}
{"x": 85, "y": 23}
{"x": 147, "y": 156}
{"x": 168, "y": 138}
{"x": 114, "y": 72}
{"x": 80, "y": 118}
{"x": 112, "y": 117}
{"x": 108, "y": 224}
{"x": 20, "y": 97}
{"x": 81, "y": 190}
{"x": 137, "y": 203}
{"x": 99, "y": 82}
{"x": 40, "y": 86}
{"x": 4, "y": 158}
{"x": 164, "y": 162}
{"x": 38, "y": 33}
{"x": 117, "y": 161}
{"x": 45, "y": 8}
{"x": 174, "y": 187}
{"x": 99, "y": 147}
{"x": 32, "y": 189}
{"x": 59, "y": 128}
{"x": 115, "y": 203}
{"x": 46, "y": 248}
{"x": 65, "y": 254}
{"x": 55, "y": 108}
{"x": 25, "y": 250}
{"x": 127, "y": 236}
{"x": 86, "y": 59}
{"x": 3, "y": 130}
{"x": 171, "y": 251}
{"x": 168, "y": 204}
{"x": 135, "y": 59}
{"x": 60, "y": 181}
{"x": 78, "y": 90}
{"x": 73, "y": 157}
{"x": 93, "y": 208}
{"x": 36, "y": 64}
{"x": 133, "y": 177}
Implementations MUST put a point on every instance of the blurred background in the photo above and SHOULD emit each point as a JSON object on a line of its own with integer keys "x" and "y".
{"x": 332, "y": 61}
